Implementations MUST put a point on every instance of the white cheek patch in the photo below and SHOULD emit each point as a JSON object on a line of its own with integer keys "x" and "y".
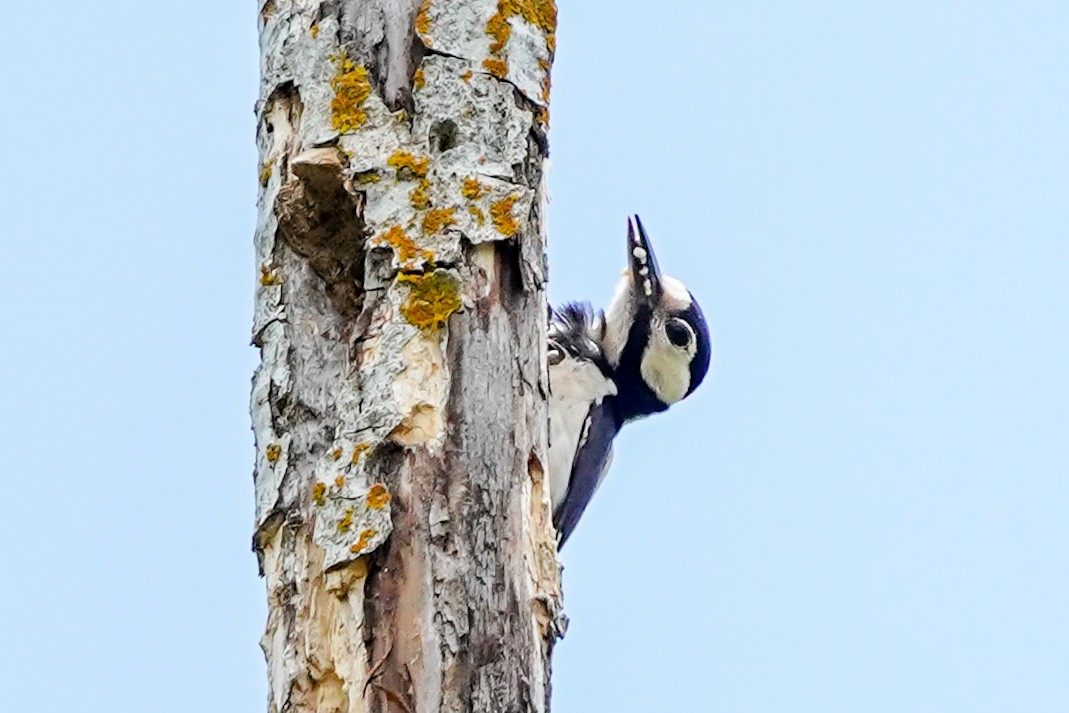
{"x": 666, "y": 369}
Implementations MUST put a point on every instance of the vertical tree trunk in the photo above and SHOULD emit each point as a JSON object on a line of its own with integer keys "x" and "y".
{"x": 402, "y": 524}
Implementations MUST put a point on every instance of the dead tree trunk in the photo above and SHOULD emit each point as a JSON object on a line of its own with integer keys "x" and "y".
{"x": 402, "y": 523}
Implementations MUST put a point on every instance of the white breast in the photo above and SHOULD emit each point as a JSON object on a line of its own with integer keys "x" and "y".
{"x": 574, "y": 386}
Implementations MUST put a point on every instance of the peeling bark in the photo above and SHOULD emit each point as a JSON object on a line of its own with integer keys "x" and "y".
{"x": 402, "y": 521}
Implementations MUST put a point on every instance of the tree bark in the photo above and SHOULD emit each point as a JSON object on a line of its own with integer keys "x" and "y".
{"x": 402, "y": 521}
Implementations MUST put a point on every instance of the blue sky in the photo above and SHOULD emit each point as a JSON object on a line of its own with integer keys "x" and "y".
{"x": 864, "y": 508}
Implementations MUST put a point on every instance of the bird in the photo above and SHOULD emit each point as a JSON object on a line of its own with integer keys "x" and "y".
{"x": 650, "y": 350}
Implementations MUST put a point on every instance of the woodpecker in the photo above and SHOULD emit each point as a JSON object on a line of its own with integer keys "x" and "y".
{"x": 650, "y": 350}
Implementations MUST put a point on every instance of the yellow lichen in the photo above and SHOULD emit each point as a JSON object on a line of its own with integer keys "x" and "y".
{"x": 346, "y": 522}
{"x": 339, "y": 481}
{"x": 365, "y": 177}
{"x": 423, "y": 19}
{"x": 437, "y": 219}
{"x": 540, "y": 13}
{"x": 319, "y": 493}
{"x": 421, "y": 195}
{"x": 336, "y": 453}
{"x": 351, "y": 89}
{"x": 497, "y": 67}
{"x": 418, "y": 79}
{"x": 467, "y": 76}
{"x": 407, "y": 250}
{"x": 274, "y": 452}
{"x": 403, "y": 162}
{"x": 477, "y": 213}
{"x": 365, "y": 538}
{"x": 265, "y": 172}
{"x": 472, "y": 189}
{"x": 498, "y": 28}
{"x": 501, "y": 213}
{"x": 359, "y": 451}
{"x": 268, "y": 277}
{"x": 378, "y": 497}
{"x": 314, "y": 29}
{"x": 432, "y": 297}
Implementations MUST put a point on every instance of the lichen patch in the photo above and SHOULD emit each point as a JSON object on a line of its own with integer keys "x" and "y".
{"x": 438, "y": 219}
{"x": 497, "y": 67}
{"x": 472, "y": 189}
{"x": 432, "y": 297}
{"x": 378, "y": 497}
{"x": 407, "y": 251}
{"x": 408, "y": 166}
{"x": 351, "y": 89}
{"x": 501, "y": 214}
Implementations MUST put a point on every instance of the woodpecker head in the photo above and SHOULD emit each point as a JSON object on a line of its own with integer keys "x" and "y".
{"x": 655, "y": 335}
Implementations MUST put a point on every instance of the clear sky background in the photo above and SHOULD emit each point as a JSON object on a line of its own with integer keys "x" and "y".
{"x": 864, "y": 510}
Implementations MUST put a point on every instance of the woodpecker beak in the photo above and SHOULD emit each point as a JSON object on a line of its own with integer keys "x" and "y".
{"x": 645, "y": 275}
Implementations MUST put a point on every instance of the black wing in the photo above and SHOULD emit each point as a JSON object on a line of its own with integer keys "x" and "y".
{"x": 576, "y": 328}
{"x": 591, "y": 459}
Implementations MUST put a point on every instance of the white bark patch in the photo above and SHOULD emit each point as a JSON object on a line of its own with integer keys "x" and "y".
{"x": 352, "y": 519}
{"x": 420, "y": 391}
{"x": 459, "y": 28}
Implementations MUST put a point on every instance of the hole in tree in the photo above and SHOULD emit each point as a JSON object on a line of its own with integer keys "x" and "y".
{"x": 443, "y": 135}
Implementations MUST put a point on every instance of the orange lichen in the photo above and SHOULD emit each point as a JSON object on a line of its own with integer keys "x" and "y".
{"x": 418, "y": 79}
{"x": 365, "y": 538}
{"x": 432, "y": 297}
{"x": 346, "y": 522}
{"x": 268, "y": 277}
{"x": 423, "y": 19}
{"x": 336, "y": 453}
{"x": 467, "y": 76}
{"x": 408, "y": 165}
{"x": 501, "y": 213}
{"x": 472, "y": 189}
{"x": 497, "y": 67}
{"x": 543, "y": 116}
{"x": 407, "y": 250}
{"x": 319, "y": 493}
{"x": 351, "y": 89}
{"x": 265, "y": 172}
{"x": 421, "y": 195}
{"x": 359, "y": 451}
{"x": 378, "y": 497}
{"x": 274, "y": 452}
{"x": 498, "y": 28}
{"x": 477, "y": 214}
{"x": 437, "y": 219}
{"x": 540, "y": 13}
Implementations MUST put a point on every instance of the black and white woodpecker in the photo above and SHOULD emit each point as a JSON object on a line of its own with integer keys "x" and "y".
{"x": 650, "y": 350}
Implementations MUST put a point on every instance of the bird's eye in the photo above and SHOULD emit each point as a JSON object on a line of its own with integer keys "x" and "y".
{"x": 679, "y": 332}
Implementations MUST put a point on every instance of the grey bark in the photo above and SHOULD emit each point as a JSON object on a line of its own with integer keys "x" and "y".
{"x": 402, "y": 521}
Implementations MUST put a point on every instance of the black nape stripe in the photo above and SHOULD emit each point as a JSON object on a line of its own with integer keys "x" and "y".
{"x": 635, "y": 398}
